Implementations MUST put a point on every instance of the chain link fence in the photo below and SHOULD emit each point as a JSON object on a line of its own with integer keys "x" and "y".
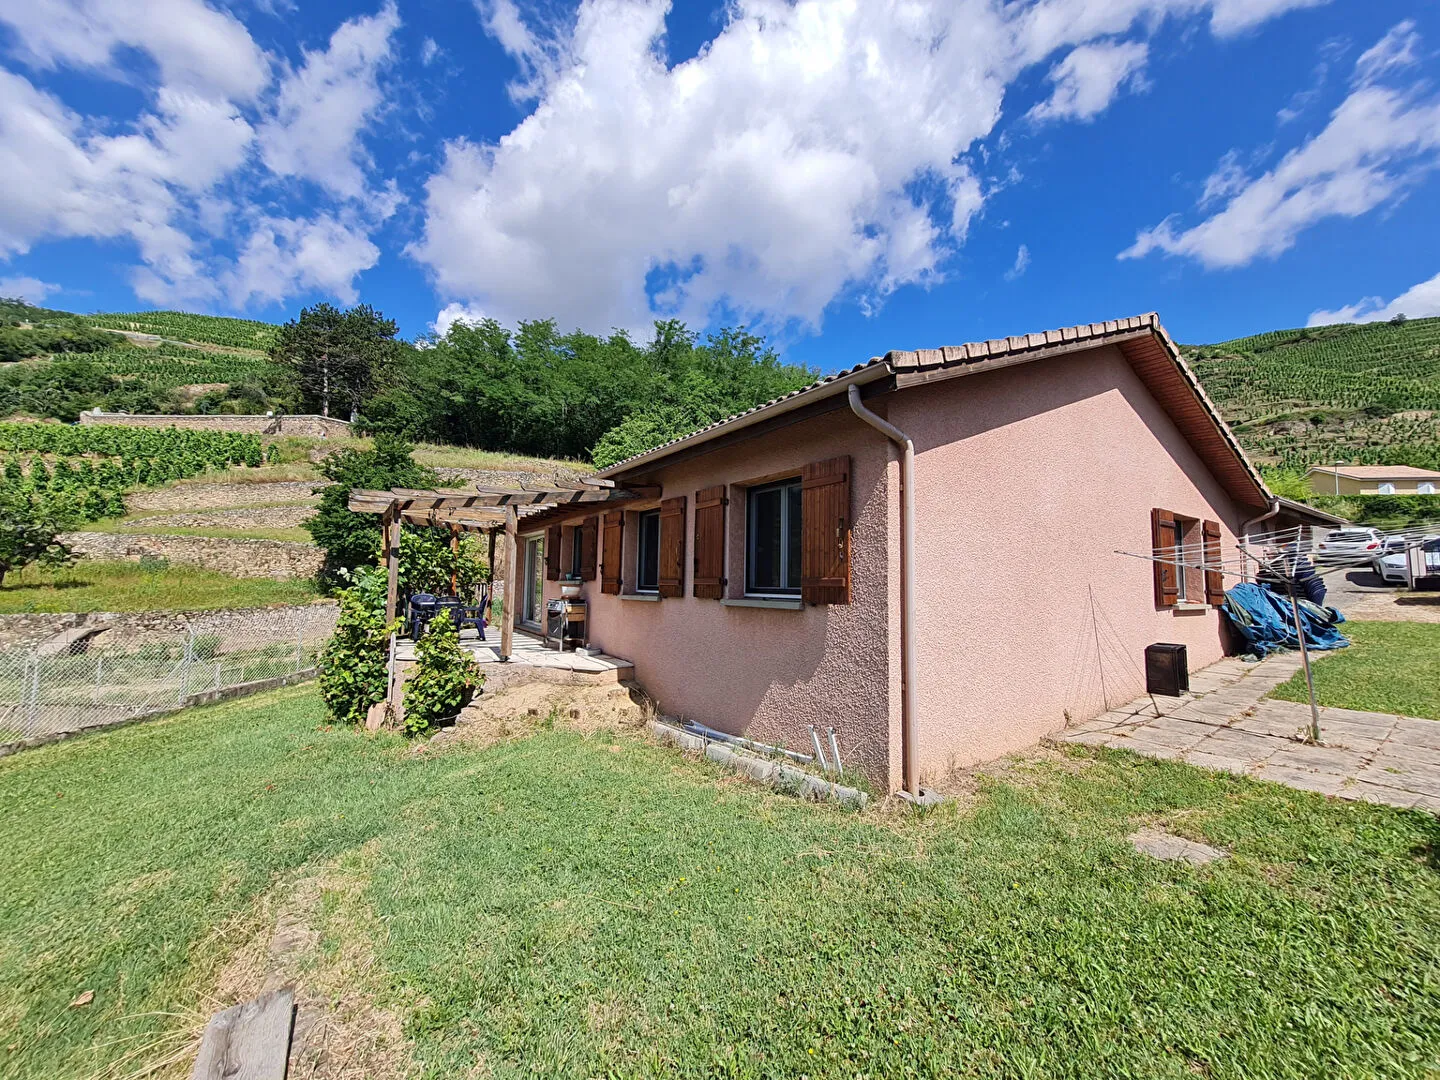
{"x": 100, "y": 674}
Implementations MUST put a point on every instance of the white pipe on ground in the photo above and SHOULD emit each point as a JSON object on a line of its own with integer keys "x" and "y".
{"x": 907, "y": 585}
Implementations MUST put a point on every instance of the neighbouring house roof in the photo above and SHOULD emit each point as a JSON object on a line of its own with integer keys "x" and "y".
{"x": 1141, "y": 339}
{"x": 1303, "y": 510}
{"x": 1377, "y": 472}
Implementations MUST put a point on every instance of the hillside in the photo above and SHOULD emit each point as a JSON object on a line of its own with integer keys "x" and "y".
{"x": 1365, "y": 393}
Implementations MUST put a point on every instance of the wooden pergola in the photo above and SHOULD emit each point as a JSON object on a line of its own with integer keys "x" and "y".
{"x": 494, "y": 511}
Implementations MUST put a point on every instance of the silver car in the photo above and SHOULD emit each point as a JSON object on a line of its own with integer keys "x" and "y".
{"x": 1352, "y": 546}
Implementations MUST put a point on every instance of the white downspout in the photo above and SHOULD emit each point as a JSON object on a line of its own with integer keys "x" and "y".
{"x": 1245, "y": 529}
{"x": 907, "y": 585}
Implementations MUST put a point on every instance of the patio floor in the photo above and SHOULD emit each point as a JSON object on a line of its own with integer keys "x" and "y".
{"x": 527, "y": 650}
{"x": 1227, "y": 723}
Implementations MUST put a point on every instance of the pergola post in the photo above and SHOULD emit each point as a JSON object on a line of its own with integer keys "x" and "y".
{"x": 390, "y": 527}
{"x": 490, "y": 562}
{"x": 455, "y": 559}
{"x": 507, "y": 606}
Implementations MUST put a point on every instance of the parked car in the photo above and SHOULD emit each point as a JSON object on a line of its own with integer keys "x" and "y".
{"x": 1390, "y": 566}
{"x": 1351, "y": 546}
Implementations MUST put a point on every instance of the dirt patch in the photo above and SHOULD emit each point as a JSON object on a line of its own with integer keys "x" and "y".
{"x": 1391, "y": 607}
{"x": 511, "y": 711}
{"x": 320, "y": 936}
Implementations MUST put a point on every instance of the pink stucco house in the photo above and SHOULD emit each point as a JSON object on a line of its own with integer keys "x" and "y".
{"x": 764, "y": 587}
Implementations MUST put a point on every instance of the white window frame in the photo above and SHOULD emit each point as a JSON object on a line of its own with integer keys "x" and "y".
{"x": 1425, "y": 487}
{"x": 787, "y": 590}
{"x": 1387, "y": 489}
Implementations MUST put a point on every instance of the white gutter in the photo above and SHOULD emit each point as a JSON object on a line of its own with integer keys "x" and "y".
{"x": 907, "y": 584}
{"x": 820, "y": 391}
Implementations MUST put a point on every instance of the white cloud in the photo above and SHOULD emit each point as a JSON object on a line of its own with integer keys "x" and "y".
{"x": 1090, "y": 78}
{"x": 1418, "y": 301}
{"x": 1022, "y": 263}
{"x": 195, "y": 47}
{"x": 429, "y": 51}
{"x": 183, "y": 181}
{"x": 32, "y": 290}
{"x": 812, "y": 150}
{"x": 1376, "y": 144}
{"x": 323, "y": 106}
{"x": 1395, "y": 50}
{"x": 1236, "y": 16}
{"x": 451, "y": 314}
{"x": 284, "y": 256}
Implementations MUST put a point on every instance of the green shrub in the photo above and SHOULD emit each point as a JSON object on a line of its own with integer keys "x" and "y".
{"x": 445, "y": 678}
{"x": 354, "y": 665}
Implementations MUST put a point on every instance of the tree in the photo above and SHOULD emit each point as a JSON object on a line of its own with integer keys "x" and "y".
{"x": 352, "y": 540}
{"x": 336, "y": 357}
{"x": 29, "y": 531}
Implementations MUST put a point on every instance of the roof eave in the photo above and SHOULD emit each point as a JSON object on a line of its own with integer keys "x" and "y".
{"x": 869, "y": 372}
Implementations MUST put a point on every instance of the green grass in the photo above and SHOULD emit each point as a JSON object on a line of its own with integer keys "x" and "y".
{"x": 1390, "y": 667}
{"x": 89, "y": 585}
{"x": 135, "y": 523}
{"x": 567, "y": 906}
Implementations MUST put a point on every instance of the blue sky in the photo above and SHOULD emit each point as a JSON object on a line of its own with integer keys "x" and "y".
{"x": 847, "y": 176}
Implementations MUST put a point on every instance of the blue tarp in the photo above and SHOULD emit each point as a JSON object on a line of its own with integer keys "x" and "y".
{"x": 1264, "y": 620}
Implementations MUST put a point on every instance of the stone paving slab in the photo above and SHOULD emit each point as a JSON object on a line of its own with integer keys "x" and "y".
{"x": 1226, "y": 723}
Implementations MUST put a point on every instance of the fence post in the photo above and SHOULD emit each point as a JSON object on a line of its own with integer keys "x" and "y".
{"x": 299, "y": 649}
{"x": 217, "y": 673}
{"x": 185, "y": 667}
{"x": 32, "y": 692}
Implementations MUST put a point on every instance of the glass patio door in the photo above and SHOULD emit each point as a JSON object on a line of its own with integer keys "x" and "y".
{"x": 532, "y": 607}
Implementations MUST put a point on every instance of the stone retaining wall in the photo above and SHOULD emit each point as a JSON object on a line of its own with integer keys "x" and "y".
{"x": 128, "y": 629}
{"x": 279, "y": 560}
{"x": 189, "y": 496}
{"x": 321, "y": 427}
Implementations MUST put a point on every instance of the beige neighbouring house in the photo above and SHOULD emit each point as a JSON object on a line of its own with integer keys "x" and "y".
{"x": 1373, "y": 480}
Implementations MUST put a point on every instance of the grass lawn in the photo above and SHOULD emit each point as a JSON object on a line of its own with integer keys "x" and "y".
{"x": 1390, "y": 667}
{"x": 562, "y": 905}
{"x": 89, "y": 585}
{"x": 135, "y": 523}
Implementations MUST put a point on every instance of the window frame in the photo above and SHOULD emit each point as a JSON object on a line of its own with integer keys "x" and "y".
{"x": 575, "y": 570}
{"x": 791, "y": 535}
{"x": 641, "y": 518}
{"x": 1387, "y": 488}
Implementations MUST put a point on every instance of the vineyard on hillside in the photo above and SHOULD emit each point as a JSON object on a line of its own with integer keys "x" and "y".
{"x": 1364, "y": 393}
{"x": 81, "y": 473}
{"x": 202, "y": 329}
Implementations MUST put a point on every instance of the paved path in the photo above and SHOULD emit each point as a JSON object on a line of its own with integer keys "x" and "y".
{"x": 1226, "y": 723}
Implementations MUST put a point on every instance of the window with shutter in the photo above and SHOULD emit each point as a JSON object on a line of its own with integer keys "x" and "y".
{"x": 1165, "y": 541}
{"x": 672, "y": 547}
{"x": 1214, "y": 579}
{"x": 610, "y": 551}
{"x": 587, "y": 539}
{"x": 825, "y": 532}
{"x": 708, "y": 582}
{"x": 552, "y": 553}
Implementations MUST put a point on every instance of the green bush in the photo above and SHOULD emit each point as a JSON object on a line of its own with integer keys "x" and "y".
{"x": 353, "y": 666}
{"x": 445, "y": 678}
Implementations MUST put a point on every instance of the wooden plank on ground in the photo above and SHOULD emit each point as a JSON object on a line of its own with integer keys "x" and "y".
{"x": 250, "y": 1041}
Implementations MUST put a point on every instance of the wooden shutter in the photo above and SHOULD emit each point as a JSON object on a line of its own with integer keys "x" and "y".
{"x": 708, "y": 582}
{"x": 552, "y": 553}
{"x": 825, "y": 532}
{"x": 610, "y": 553}
{"x": 1164, "y": 541}
{"x": 1214, "y": 579}
{"x": 585, "y": 536}
{"x": 672, "y": 547}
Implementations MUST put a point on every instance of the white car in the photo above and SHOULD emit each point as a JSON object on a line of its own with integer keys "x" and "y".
{"x": 1352, "y": 546}
{"x": 1390, "y": 566}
